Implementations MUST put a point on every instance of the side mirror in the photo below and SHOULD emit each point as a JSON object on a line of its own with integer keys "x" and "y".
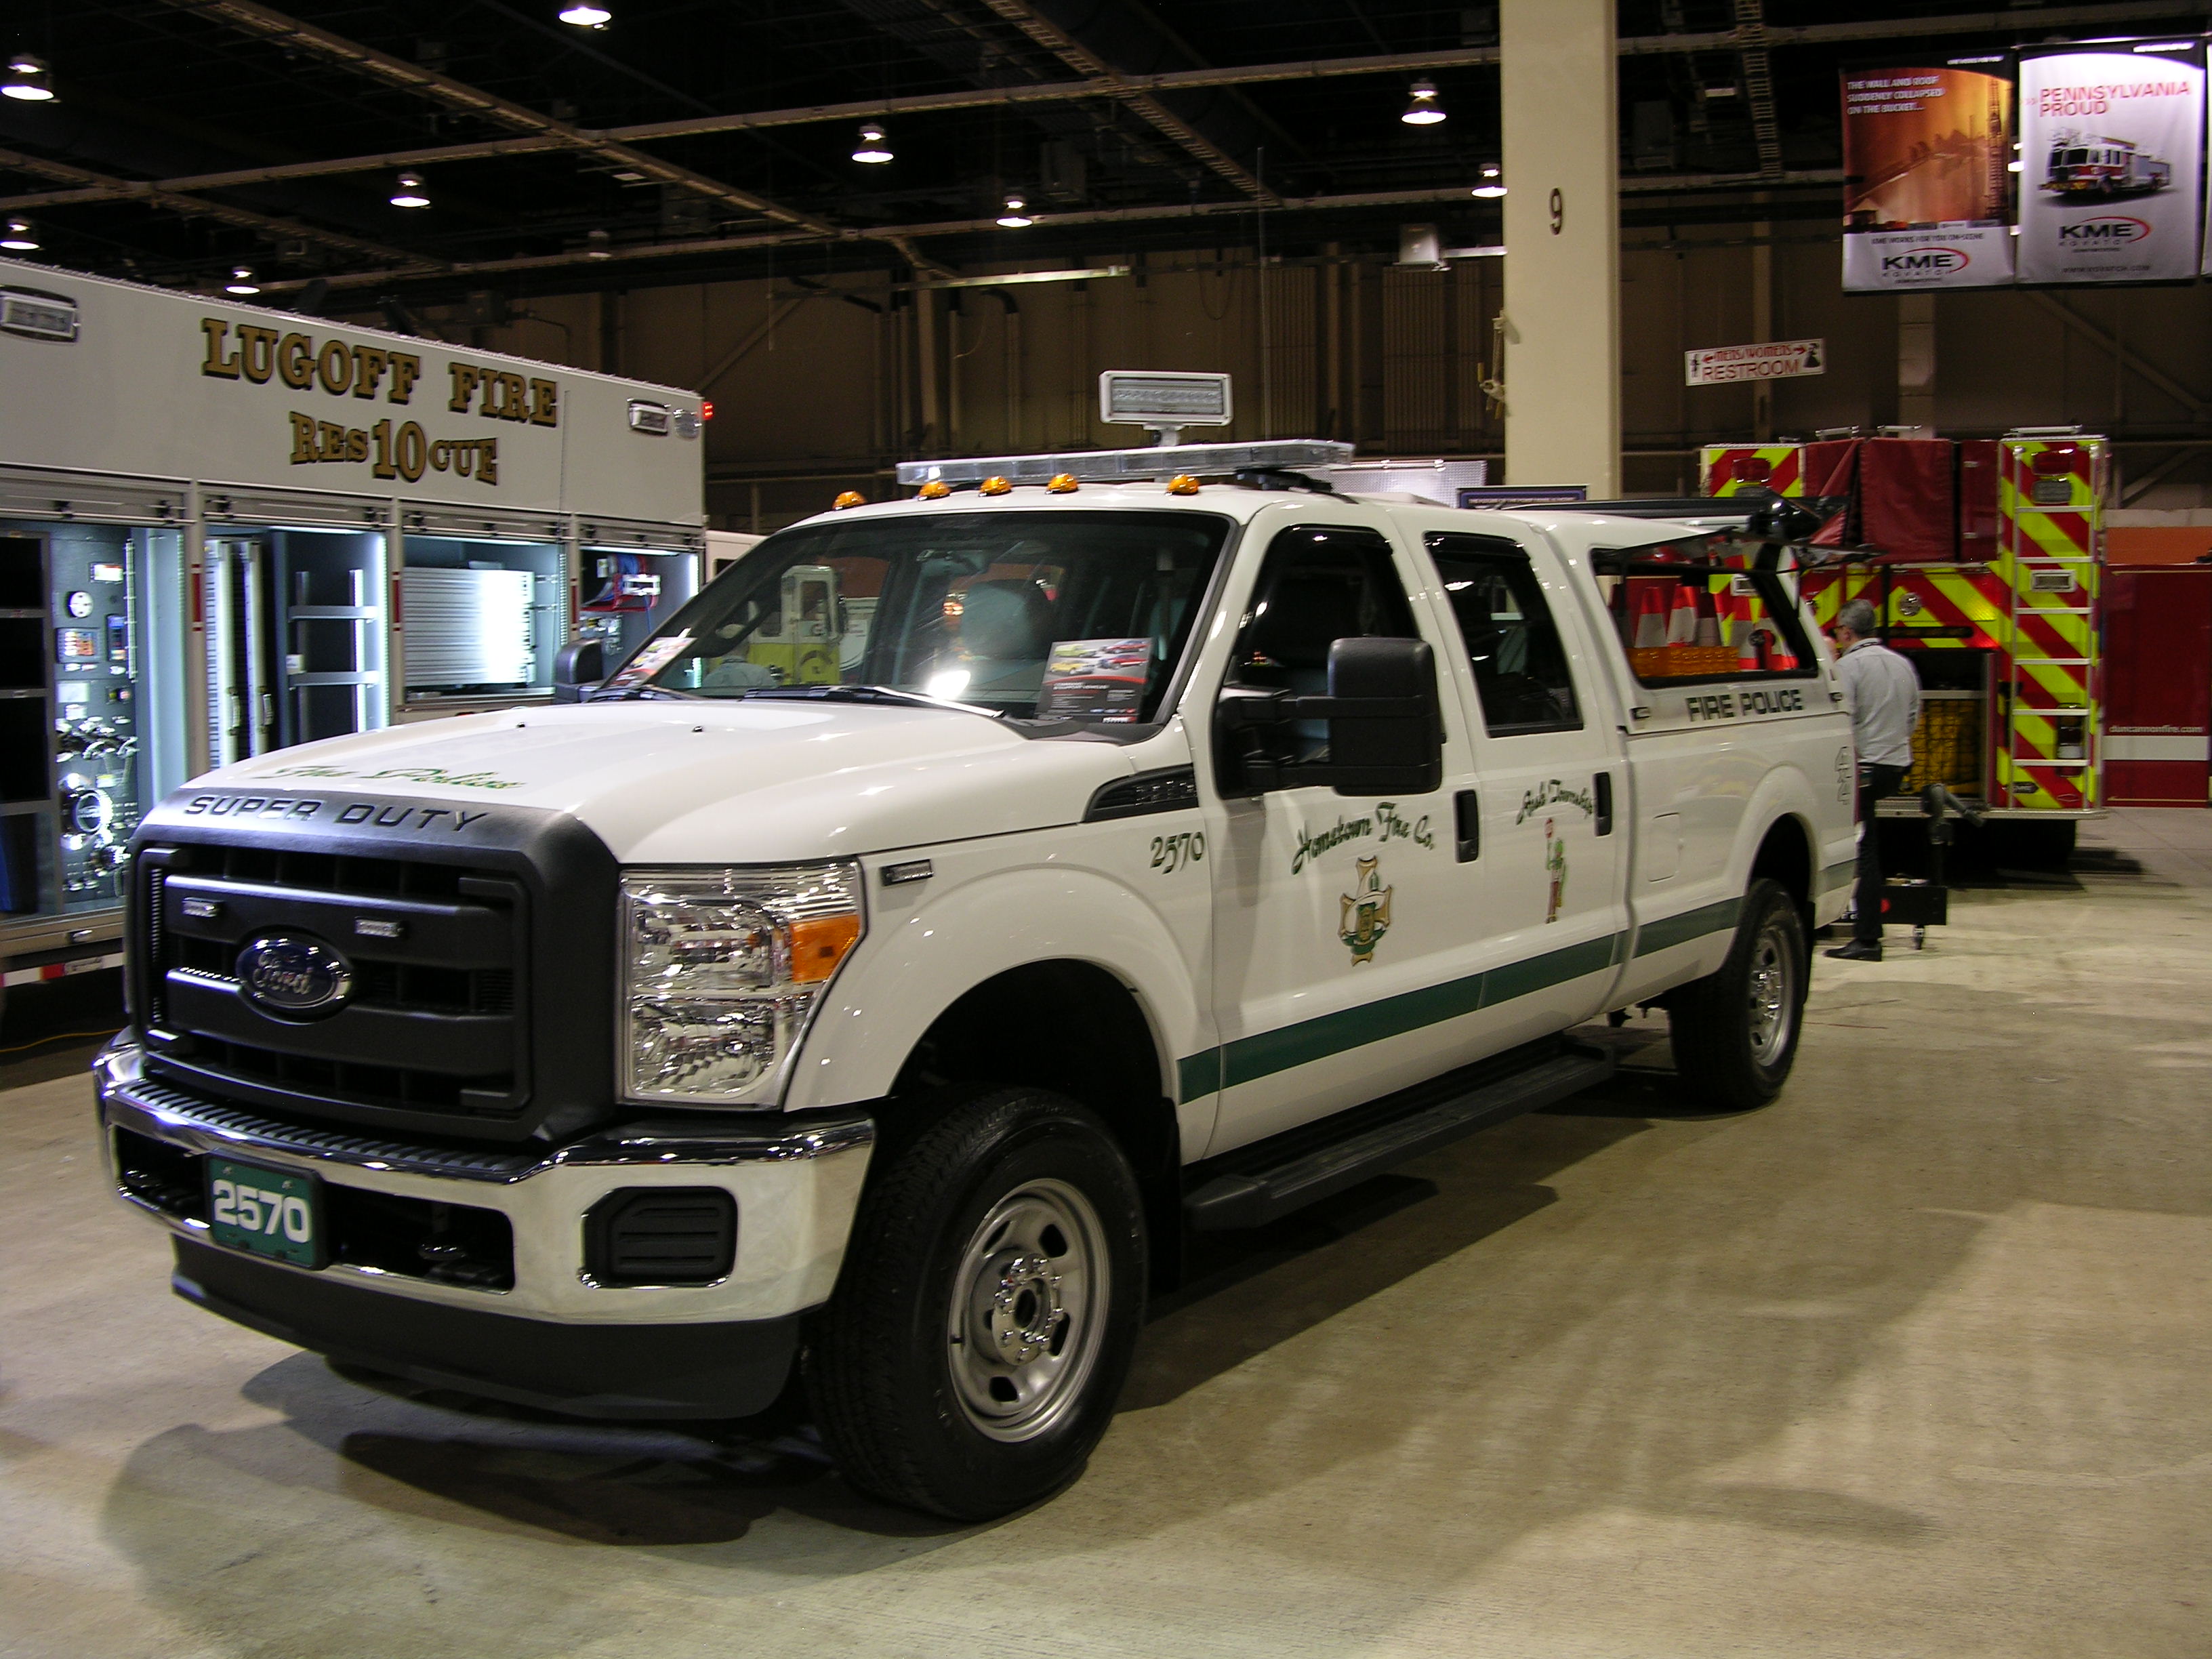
{"x": 1385, "y": 729}
{"x": 577, "y": 667}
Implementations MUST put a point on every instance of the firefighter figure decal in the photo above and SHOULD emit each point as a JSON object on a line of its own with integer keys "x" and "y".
{"x": 1364, "y": 913}
{"x": 1555, "y": 865}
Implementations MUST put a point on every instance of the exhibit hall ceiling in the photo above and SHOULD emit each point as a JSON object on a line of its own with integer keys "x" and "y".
{"x": 429, "y": 149}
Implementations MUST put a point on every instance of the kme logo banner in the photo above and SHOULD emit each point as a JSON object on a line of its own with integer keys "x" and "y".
{"x": 1927, "y": 192}
{"x": 2112, "y": 162}
{"x": 1963, "y": 255}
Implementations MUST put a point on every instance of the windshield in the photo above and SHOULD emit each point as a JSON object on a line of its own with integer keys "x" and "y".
{"x": 1037, "y": 615}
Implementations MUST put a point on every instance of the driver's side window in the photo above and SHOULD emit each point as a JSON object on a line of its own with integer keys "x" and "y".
{"x": 1505, "y": 624}
{"x": 1321, "y": 583}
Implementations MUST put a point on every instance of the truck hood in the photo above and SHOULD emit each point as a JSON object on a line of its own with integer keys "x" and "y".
{"x": 719, "y": 782}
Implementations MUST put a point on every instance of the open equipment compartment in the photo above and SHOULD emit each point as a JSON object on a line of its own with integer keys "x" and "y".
{"x": 239, "y": 534}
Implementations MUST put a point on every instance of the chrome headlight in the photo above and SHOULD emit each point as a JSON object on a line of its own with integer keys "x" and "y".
{"x": 721, "y": 970}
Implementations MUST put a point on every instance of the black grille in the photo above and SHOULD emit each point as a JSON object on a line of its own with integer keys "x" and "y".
{"x": 661, "y": 1235}
{"x": 480, "y": 944}
{"x": 165, "y": 1177}
{"x": 328, "y": 872}
{"x": 415, "y": 1237}
{"x": 212, "y": 1060}
{"x": 429, "y": 1026}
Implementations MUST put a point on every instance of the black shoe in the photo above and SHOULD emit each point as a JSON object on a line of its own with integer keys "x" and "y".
{"x": 1859, "y": 950}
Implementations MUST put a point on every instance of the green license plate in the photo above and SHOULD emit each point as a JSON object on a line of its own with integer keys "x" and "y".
{"x": 267, "y": 1211}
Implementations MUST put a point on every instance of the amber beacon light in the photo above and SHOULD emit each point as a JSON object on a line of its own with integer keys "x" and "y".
{"x": 994, "y": 486}
{"x": 1063, "y": 483}
{"x": 849, "y": 498}
{"x": 935, "y": 490}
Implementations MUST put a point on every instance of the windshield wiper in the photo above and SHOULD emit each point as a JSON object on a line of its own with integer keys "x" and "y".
{"x": 875, "y": 694}
{"x": 641, "y": 693}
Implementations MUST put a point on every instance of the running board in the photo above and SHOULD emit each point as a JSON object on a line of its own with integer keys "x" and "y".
{"x": 1252, "y": 1197}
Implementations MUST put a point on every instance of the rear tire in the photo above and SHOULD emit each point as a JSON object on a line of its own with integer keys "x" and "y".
{"x": 987, "y": 1309}
{"x": 1735, "y": 1031}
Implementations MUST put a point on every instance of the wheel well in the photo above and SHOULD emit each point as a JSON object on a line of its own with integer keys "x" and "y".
{"x": 1076, "y": 1029}
{"x": 1786, "y": 856}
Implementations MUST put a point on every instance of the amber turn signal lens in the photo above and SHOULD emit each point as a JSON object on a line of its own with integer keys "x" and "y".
{"x": 817, "y": 946}
{"x": 1063, "y": 483}
{"x": 1182, "y": 484}
{"x": 847, "y": 498}
{"x": 994, "y": 486}
{"x": 935, "y": 490}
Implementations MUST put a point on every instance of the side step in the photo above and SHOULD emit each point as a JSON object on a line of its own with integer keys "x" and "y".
{"x": 1252, "y": 1197}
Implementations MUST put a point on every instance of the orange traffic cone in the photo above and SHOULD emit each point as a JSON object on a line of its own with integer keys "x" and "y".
{"x": 1682, "y": 620}
{"x": 1650, "y": 616}
{"x": 1709, "y": 619}
{"x": 1749, "y": 652}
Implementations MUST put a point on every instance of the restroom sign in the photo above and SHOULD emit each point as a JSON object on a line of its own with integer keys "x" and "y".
{"x": 1774, "y": 360}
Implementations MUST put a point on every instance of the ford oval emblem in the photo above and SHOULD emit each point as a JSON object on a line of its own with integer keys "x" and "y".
{"x": 286, "y": 974}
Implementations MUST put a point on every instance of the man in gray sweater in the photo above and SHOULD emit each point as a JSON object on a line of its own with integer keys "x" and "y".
{"x": 1884, "y": 693}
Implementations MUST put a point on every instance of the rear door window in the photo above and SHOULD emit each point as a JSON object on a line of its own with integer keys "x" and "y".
{"x": 1512, "y": 642}
{"x": 1684, "y": 614}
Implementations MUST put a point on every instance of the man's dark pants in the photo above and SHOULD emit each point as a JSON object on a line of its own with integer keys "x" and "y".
{"x": 1874, "y": 782}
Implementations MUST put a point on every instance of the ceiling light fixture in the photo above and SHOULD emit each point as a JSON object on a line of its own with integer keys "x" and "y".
{"x": 407, "y": 192}
{"x": 1016, "y": 218}
{"x": 1426, "y": 109}
{"x": 28, "y": 79}
{"x": 20, "y": 238}
{"x": 597, "y": 246}
{"x": 1493, "y": 182}
{"x": 241, "y": 281}
{"x": 585, "y": 16}
{"x": 873, "y": 149}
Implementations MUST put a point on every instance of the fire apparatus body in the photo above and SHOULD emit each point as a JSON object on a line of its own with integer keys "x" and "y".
{"x": 1983, "y": 559}
{"x": 2101, "y": 168}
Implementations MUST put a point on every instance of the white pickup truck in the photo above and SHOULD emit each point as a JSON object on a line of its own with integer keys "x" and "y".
{"x": 865, "y": 986}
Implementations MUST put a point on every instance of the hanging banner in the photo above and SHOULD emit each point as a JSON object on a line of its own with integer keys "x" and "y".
{"x": 1926, "y": 189}
{"x": 2111, "y": 161}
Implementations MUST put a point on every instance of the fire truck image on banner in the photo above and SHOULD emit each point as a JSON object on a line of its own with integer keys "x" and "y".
{"x": 2081, "y": 165}
{"x": 1984, "y": 560}
{"x": 2112, "y": 139}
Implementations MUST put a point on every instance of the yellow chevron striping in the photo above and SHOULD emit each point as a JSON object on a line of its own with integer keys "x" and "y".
{"x": 2065, "y": 685}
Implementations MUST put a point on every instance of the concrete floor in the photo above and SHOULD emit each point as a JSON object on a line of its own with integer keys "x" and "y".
{"x": 1916, "y": 1362}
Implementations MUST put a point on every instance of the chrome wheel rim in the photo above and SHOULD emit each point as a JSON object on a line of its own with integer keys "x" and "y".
{"x": 1773, "y": 993}
{"x": 1028, "y": 1313}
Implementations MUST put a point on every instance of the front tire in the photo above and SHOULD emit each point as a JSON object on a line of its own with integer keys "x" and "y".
{"x": 1735, "y": 1031}
{"x": 983, "y": 1323}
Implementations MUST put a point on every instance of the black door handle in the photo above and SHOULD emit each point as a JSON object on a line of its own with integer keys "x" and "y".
{"x": 1605, "y": 803}
{"x": 1466, "y": 825}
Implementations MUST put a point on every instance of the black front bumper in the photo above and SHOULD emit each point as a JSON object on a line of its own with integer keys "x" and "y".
{"x": 732, "y": 1369}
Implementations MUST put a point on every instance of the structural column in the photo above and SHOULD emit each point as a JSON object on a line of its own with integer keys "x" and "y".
{"x": 1561, "y": 158}
{"x": 1915, "y": 361}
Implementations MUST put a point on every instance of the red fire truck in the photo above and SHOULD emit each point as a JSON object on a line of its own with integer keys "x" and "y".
{"x": 1983, "y": 559}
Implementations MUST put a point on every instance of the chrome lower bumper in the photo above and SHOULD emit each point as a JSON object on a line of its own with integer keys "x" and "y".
{"x": 795, "y": 1183}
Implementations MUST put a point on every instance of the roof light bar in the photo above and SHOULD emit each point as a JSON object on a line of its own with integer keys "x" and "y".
{"x": 1127, "y": 465}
